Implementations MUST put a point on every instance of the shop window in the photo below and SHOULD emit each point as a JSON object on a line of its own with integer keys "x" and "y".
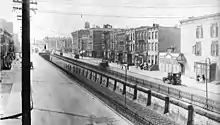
{"x": 214, "y": 30}
{"x": 199, "y": 32}
{"x": 155, "y": 59}
{"x": 152, "y": 60}
{"x": 214, "y": 48}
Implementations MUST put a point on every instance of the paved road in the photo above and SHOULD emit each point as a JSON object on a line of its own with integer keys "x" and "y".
{"x": 213, "y": 95}
{"x": 53, "y": 91}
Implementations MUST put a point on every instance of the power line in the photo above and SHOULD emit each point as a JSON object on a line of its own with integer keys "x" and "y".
{"x": 103, "y": 15}
{"x": 161, "y": 6}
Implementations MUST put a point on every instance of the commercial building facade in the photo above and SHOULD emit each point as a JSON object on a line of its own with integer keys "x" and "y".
{"x": 200, "y": 45}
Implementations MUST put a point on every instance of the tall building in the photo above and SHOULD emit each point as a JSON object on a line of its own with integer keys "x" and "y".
{"x": 75, "y": 41}
{"x": 121, "y": 44}
{"x": 200, "y": 44}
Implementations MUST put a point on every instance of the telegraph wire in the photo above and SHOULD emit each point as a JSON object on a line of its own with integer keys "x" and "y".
{"x": 104, "y": 15}
{"x": 162, "y": 6}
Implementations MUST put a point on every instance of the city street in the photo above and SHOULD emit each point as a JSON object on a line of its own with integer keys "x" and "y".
{"x": 189, "y": 85}
{"x": 58, "y": 100}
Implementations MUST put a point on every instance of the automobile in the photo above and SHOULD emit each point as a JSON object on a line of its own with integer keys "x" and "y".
{"x": 104, "y": 63}
{"x": 76, "y": 56}
{"x": 173, "y": 78}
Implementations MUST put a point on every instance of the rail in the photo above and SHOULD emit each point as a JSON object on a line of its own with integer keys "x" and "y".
{"x": 200, "y": 101}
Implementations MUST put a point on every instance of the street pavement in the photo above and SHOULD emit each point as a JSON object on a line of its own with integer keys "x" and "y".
{"x": 58, "y": 100}
{"x": 189, "y": 85}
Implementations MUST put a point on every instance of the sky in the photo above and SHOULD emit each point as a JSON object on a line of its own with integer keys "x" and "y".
{"x": 49, "y": 19}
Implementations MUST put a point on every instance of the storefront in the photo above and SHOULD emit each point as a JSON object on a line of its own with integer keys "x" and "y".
{"x": 172, "y": 62}
{"x": 119, "y": 57}
{"x": 201, "y": 68}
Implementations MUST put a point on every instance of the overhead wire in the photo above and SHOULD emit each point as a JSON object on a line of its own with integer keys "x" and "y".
{"x": 105, "y": 15}
{"x": 162, "y": 6}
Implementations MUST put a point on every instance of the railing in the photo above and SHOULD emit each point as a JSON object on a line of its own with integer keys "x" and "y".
{"x": 211, "y": 105}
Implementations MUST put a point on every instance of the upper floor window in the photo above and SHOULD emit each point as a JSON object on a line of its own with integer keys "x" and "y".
{"x": 197, "y": 49}
{"x": 214, "y": 48}
{"x": 199, "y": 32}
{"x": 149, "y": 46}
{"x": 152, "y": 35}
{"x": 214, "y": 30}
{"x": 156, "y": 34}
{"x": 156, "y": 46}
{"x": 149, "y": 35}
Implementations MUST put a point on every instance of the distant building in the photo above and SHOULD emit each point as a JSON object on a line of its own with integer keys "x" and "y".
{"x": 121, "y": 45}
{"x": 200, "y": 40}
{"x": 8, "y": 26}
{"x": 75, "y": 42}
{"x": 17, "y": 43}
{"x": 87, "y": 25}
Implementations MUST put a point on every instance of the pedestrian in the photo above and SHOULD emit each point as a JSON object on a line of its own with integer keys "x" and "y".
{"x": 127, "y": 66}
{"x": 198, "y": 78}
{"x": 203, "y": 78}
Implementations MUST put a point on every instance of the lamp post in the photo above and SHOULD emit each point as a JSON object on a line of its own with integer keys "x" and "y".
{"x": 207, "y": 62}
{"x": 126, "y": 67}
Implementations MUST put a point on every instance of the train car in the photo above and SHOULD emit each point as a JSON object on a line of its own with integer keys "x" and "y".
{"x": 7, "y": 49}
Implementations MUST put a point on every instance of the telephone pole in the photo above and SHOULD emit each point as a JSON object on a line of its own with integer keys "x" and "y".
{"x": 26, "y": 102}
{"x": 26, "y": 79}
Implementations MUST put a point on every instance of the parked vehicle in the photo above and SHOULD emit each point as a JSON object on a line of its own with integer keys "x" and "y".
{"x": 173, "y": 78}
{"x": 104, "y": 63}
{"x": 76, "y": 56}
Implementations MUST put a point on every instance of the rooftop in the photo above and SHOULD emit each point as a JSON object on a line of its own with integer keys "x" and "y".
{"x": 200, "y": 17}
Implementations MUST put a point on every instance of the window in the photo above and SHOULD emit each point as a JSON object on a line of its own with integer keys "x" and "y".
{"x": 156, "y": 34}
{"x": 199, "y": 32}
{"x": 214, "y": 30}
{"x": 152, "y": 35}
{"x": 152, "y": 47}
{"x": 214, "y": 48}
{"x": 197, "y": 50}
{"x": 149, "y": 35}
{"x": 152, "y": 59}
{"x": 156, "y": 46}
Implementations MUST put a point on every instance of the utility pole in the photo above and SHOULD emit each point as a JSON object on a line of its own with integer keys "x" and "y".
{"x": 26, "y": 113}
{"x": 26, "y": 79}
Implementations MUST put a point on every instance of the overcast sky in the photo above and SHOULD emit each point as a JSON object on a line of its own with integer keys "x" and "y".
{"x": 45, "y": 23}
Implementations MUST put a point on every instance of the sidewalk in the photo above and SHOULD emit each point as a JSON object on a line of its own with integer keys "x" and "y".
{"x": 8, "y": 77}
